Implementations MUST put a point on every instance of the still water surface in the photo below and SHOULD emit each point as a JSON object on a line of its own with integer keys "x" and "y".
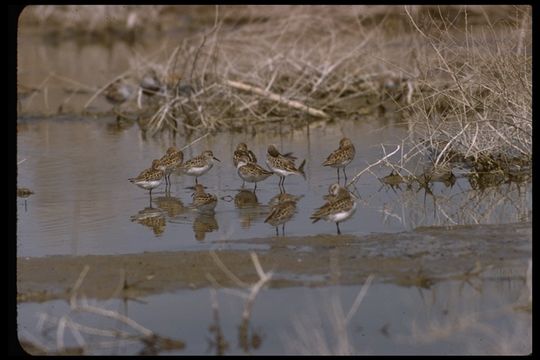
{"x": 84, "y": 204}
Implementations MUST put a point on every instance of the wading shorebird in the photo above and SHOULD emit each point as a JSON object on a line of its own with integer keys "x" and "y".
{"x": 333, "y": 191}
{"x": 251, "y": 172}
{"x": 199, "y": 165}
{"x": 341, "y": 157}
{"x": 170, "y": 161}
{"x": 203, "y": 201}
{"x": 281, "y": 213}
{"x": 338, "y": 208}
{"x": 282, "y": 165}
{"x": 241, "y": 151}
{"x": 149, "y": 179}
{"x": 150, "y": 83}
{"x": 118, "y": 92}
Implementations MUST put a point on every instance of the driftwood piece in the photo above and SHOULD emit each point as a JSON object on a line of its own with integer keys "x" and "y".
{"x": 275, "y": 97}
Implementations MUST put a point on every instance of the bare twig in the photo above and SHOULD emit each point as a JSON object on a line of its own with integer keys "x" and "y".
{"x": 195, "y": 141}
{"x": 357, "y": 176}
{"x": 115, "y": 315}
{"x": 226, "y": 270}
{"x": 358, "y": 300}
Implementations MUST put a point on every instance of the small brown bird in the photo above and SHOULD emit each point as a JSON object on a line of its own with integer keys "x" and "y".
{"x": 282, "y": 197}
{"x": 338, "y": 209}
{"x": 252, "y": 172}
{"x": 149, "y": 179}
{"x": 333, "y": 191}
{"x": 281, "y": 213}
{"x": 203, "y": 201}
{"x": 199, "y": 165}
{"x": 341, "y": 157}
{"x": 150, "y": 83}
{"x": 242, "y": 150}
{"x": 170, "y": 161}
{"x": 118, "y": 92}
{"x": 283, "y": 166}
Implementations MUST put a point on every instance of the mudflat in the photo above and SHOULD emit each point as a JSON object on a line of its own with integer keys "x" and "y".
{"x": 416, "y": 258}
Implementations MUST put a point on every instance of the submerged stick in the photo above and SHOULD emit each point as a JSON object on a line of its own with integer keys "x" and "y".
{"x": 272, "y": 96}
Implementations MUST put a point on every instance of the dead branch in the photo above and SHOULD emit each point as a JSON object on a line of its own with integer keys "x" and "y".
{"x": 275, "y": 97}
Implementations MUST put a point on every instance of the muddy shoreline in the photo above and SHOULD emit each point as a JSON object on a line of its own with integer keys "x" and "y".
{"x": 417, "y": 258}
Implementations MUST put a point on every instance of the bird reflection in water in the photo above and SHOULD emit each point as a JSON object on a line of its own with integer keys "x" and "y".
{"x": 172, "y": 206}
{"x": 248, "y": 206}
{"x": 205, "y": 222}
{"x": 153, "y": 218}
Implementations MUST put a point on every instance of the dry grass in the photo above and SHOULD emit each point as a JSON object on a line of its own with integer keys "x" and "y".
{"x": 460, "y": 74}
{"x": 473, "y": 97}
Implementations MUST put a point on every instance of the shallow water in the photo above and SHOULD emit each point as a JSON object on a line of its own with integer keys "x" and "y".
{"x": 451, "y": 317}
{"x": 83, "y": 203}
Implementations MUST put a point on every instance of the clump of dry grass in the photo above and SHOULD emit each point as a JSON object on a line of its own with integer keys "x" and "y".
{"x": 463, "y": 88}
{"x": 472, "y": 101}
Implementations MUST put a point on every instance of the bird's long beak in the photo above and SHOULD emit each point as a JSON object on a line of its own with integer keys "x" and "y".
{"x": 215, "y": 158}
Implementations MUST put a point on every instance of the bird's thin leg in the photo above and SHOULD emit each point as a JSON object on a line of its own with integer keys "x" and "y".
{"x": 196, "y": 182}
{"x": 277, "y": 231}
{"x": 337, "y": 175}
{"x": 344, "y": 173}
{"x": 283, "y": 230}
{"x": 255, "y": 188}
{"x": 338, "y": 231}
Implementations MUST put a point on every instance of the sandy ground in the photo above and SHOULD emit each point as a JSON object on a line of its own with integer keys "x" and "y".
{"x": 418, "y": 258}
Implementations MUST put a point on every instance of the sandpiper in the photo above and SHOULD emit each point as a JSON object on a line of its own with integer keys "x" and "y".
{"x": 242, "y": 150}
{"x": 170, "y": 161}
{"x": 150, "y": 178}
{"x": 341, "y": 157}
{"x": 282, "y": 166}
{"x": 150, "y": 83}
{"x": 199, "y": 165}
{"x": 282, "y": 197}
{"x": 280, "y": 214}
{"x": 203, "y": 201}
{"x": 118, "y": 92}
{"x": 338, "y": 209}
{"x": 333, "y": 191}
{"x": 251, "y": 172}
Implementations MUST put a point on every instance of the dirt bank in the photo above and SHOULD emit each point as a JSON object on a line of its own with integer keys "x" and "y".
{"x": 418, "y": 258}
